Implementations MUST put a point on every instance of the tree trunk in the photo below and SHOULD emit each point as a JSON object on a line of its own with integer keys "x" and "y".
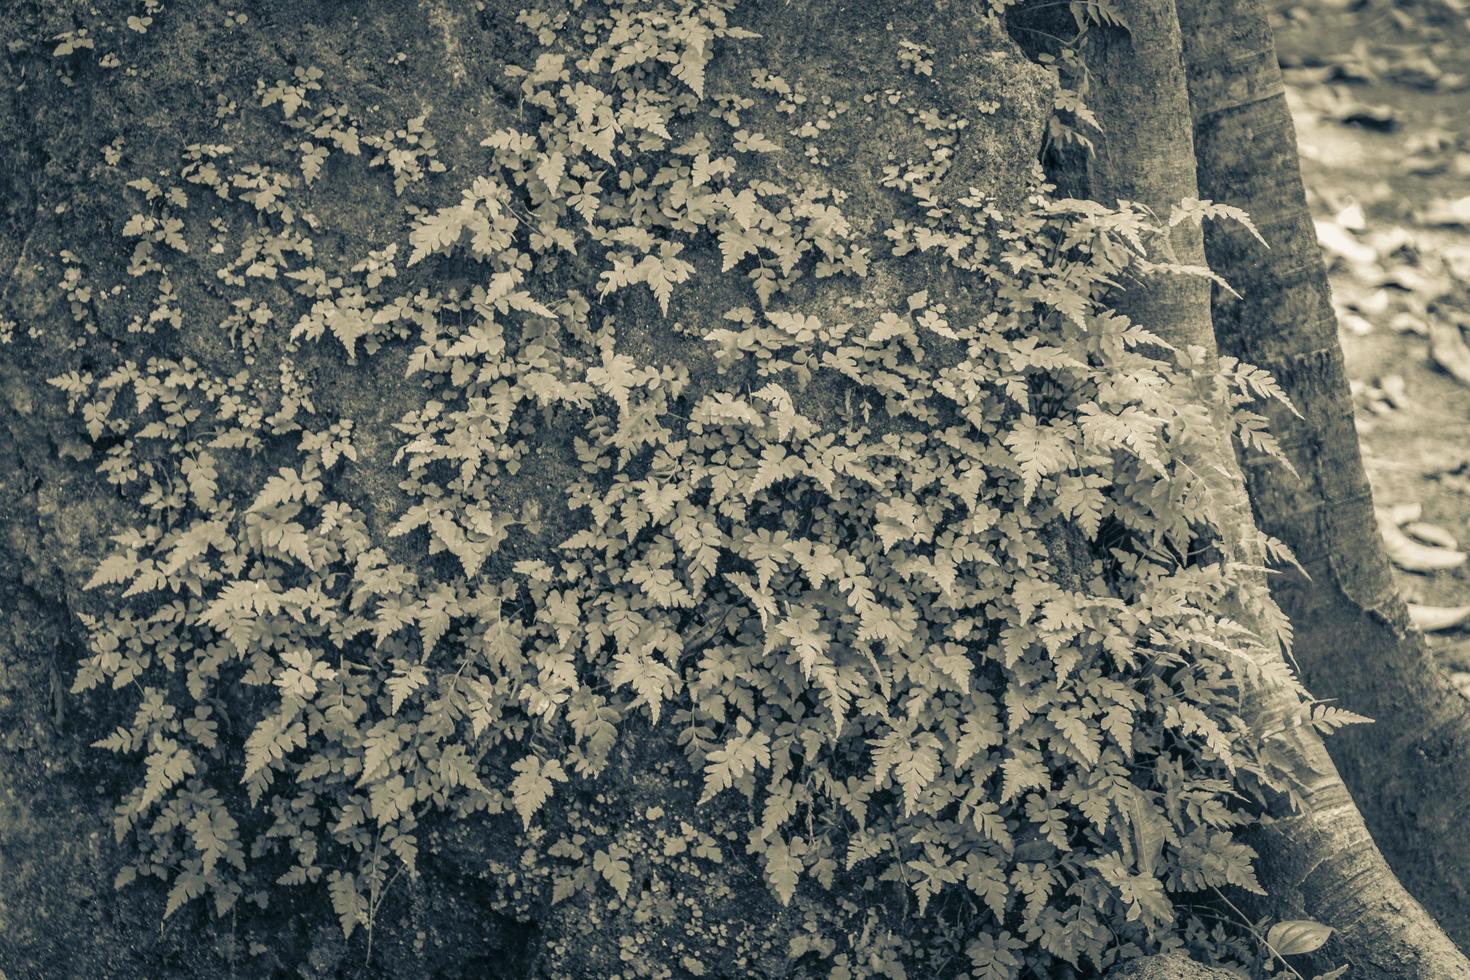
{"x": 1321, "y": 862}
{"x": 1410, "y": 770}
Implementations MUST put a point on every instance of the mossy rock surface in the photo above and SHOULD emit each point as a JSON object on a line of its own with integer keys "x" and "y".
{"x": 75, "y": 132}
{"x": 1173, "y": 966}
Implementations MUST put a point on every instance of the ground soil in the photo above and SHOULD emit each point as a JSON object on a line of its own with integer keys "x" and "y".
{"x": 1380, "y": 93}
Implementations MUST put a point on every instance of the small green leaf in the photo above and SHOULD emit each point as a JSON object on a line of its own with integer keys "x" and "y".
{"x": 1295, "y": 937}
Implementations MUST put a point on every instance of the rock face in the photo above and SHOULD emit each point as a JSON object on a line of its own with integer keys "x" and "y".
{"x": 1173, "y": 966}
{"x": 97, "y": 96}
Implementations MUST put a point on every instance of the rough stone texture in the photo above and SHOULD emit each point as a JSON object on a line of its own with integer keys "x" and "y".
{"x": 1171, "y": 966}
{"x": 59, "y": 916}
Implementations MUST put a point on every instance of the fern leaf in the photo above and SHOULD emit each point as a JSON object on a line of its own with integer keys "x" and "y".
{"x": 347, "y": 901}
{"x": 783, "y": 870}
{"x": 533, "y": 784}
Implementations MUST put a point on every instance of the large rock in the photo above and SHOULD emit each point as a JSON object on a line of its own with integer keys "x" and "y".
{"x": 76, "y": 131}
{"x": 1170, "y": 966}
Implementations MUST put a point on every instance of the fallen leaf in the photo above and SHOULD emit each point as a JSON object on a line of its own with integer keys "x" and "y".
{"x": 1395, "y": 389}
{"x": 1431, "y": 534}
{"x": 1434, "y": 139}
{"x": 1456, "y": 259}
{"x": 1422, "y": 164}
{"x": 1417, "y": 281}
{"x": 1402, "y": 514}
{"x": 1412, "y": 556}
{"x": 1374, "y": 304}
{"x": 1386, "y": 241}
{"x": 1373, "y": 397}
{"x": 1339, "y": 242}
{"x": 1406, "y": 322}
{"x": 1456, "y": 212}
{"x": 1352, "y": 218}
{"x": 1438, "y": 460}
{"x": 1418, "y": 70}
{"x": 1377, "y": 406}
{"x": 1433, "y": 619}
{"x": 1447, "y": 349}
{"x": 1302, "y": 78}
{"x": 1352, "y": 112}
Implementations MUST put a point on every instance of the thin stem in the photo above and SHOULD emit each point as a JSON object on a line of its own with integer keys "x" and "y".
{"x": 1257, "y": 933}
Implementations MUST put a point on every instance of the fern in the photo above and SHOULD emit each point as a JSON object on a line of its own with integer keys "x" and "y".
{"x": 818, "y": 544}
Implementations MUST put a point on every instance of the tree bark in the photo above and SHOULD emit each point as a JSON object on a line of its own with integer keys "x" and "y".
{"x": 1410, "y": 771}
{"x": 1321, "y": 862}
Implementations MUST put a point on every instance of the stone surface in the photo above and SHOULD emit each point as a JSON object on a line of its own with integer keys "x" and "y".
{"x": 59, "y": 915}
{"x": 1171, "y": 966}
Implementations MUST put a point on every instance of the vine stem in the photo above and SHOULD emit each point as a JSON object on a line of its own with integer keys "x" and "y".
{"x": 1257, "y": 933}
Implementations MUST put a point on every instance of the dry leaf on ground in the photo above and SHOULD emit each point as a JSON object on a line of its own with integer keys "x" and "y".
{"x": 1431, "y": 534}
{"x": 1447, "y": 349}
{"x": 1412, "y": 556}
{"x": 1456, "y": 212}
{"x": 1340, "y": 242}
{"x": 1432, "y": 619}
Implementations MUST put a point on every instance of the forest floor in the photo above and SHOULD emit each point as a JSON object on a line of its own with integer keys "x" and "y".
{"x": 1380, "y": 92}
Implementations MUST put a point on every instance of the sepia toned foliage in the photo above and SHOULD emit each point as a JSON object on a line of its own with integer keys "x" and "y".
{"x": 851, "y": 488}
